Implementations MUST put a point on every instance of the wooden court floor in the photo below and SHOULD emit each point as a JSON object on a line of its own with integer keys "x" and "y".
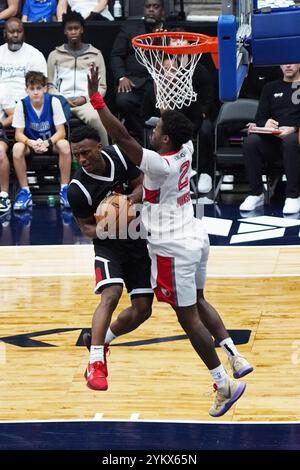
{"x": 51, "y": 288}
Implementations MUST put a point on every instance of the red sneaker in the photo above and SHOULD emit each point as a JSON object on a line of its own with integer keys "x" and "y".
{"x": 106, "y": 353}
{"x": 96, "y": 378}
{"x": 87, "y": 340}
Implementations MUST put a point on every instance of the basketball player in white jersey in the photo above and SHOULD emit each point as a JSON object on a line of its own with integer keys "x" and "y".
{"x": 177, "y": 241}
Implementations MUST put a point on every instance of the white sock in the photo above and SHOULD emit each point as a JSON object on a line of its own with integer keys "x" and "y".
{"x": 26, "y": 188}
{"x": 228, "y": 346}
{"x": 62, "y": 186}
{"x": 220, "y": 376}
{"x": 110, "y": 336}
{"x": 3, "y": 194}
{"x": 97, "y": 354}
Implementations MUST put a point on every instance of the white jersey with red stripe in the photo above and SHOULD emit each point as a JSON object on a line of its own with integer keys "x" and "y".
{"x": 167, "y": 209}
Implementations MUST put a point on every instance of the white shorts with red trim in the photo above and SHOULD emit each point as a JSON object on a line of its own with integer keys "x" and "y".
{"x": 178, "y": 270}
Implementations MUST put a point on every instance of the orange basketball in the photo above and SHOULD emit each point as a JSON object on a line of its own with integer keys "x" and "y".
{"x": 114, "y": 213}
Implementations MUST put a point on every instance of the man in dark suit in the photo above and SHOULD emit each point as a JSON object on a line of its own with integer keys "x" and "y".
{"x": 132, "y": 78}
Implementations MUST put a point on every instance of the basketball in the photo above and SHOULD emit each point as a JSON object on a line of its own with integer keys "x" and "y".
{"x": 114, "y": 213}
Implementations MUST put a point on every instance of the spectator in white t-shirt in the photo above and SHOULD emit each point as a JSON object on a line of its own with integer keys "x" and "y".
{"x": 17, "y": 58}
{"x": 90, "y": 10}
{"x": 7, "y": 105}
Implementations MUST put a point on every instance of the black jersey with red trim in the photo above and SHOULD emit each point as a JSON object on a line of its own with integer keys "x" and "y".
{"x": 87, "y": 190}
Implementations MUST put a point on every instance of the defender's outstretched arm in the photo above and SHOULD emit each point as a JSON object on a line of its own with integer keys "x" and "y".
{"x": 114, "y": 127}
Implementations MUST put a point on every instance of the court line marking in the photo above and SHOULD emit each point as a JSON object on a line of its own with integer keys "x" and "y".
{"x": 209, "y": 276}
{"x": 76, "y": 246}
{"x": 148, "y": 421}
{"x": 45, "y": 274}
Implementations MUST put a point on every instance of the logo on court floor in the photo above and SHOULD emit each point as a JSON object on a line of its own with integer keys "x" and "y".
{"x": 257, "y": 228}
{"x": 26, "y": 340}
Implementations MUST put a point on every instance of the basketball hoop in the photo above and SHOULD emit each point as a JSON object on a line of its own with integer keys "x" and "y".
{"x": 170, "y": 58}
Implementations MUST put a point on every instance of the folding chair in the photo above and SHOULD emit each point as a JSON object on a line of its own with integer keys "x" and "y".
{"x": 230, "y": 131}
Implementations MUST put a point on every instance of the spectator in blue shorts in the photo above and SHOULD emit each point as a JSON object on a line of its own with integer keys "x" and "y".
{"x": 39, "y": 11}
{"x": 39, "y": 121}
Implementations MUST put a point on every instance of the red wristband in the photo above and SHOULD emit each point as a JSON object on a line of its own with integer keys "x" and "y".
{"x": 97, "y": 101}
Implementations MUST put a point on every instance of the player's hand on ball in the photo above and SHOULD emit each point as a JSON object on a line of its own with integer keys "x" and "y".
{"x": 113, "y": 215}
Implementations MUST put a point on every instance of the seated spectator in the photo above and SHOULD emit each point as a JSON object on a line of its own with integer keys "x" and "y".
{"x": 132, "y": 78}
{"x": 39, "y": 11}
{"x": 279, "y": 109}
{"x": 252, "y": 87}
{"x": 74, "y": 59}
{"x": 199, "y": 112}
{"x": 17, "y": 58}
{"x": 39, "y": 121}
{"x": 256, "y": 79}
{"x": 7, "y": 105}
{"x": 8, "y": 9}
{"x": 90, "y": 10}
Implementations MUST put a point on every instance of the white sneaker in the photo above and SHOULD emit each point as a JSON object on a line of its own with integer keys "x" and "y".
{"x": 227, "y": 183}
{"x": 226, "y": 397}
{"x": 204, "y": 183}
{"x": 291, "y": 205}
{"x": 240, "y": 366}
{"x": 252, "y": 202}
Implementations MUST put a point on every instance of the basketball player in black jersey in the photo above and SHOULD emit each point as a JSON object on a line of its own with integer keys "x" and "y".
{"x": 117, "y": 261}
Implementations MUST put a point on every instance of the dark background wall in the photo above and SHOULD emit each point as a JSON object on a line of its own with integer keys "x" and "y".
{"x": 46, "y": 36}
{"x": 136, "y": 7}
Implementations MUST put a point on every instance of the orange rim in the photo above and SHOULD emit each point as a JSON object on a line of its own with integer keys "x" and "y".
{"x": 207, "y": 44}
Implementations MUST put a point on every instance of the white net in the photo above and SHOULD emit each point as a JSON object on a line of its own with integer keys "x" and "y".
{"x": 172, "y": 73}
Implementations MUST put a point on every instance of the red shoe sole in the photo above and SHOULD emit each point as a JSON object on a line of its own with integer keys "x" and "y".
{"x": 96, "y": 389}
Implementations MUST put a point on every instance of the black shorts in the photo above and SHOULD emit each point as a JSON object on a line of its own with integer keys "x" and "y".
{"x": 7, "y": 139}
{"x": 123, "y": 262}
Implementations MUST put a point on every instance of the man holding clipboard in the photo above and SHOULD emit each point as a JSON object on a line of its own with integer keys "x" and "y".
{"x": 275, "y": 136}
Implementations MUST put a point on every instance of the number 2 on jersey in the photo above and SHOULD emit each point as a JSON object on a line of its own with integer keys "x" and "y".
{"x": 183, "y": 179}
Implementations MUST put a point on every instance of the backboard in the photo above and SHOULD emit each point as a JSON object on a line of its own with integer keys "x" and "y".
{"x": 264, "y": 32}
{"x": 275, "y": 32}
{"x": 234, "y": 32}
